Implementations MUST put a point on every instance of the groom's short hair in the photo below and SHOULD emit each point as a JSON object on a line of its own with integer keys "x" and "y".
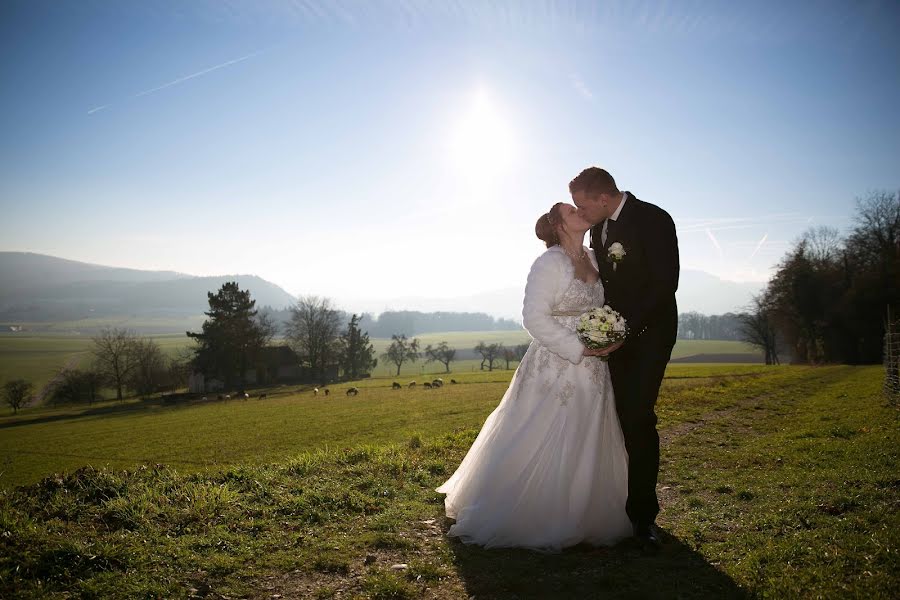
{"x": 594, "y": 180}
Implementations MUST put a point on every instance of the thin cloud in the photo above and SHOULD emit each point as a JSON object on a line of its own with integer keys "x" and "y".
{"x": 180, "y": 80}
{"x": 758, "y": 246}
{"x": 715, "y": 242}
{"x": 197, "y": 74}
{"x": 581, "y": 86}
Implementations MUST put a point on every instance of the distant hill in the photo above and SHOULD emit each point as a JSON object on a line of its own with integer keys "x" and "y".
{"x": 36, "y": 287}
{"x": 44, "y": 289}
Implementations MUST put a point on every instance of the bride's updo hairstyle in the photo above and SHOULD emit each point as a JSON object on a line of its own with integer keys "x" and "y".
{"x": 547, "y": 226}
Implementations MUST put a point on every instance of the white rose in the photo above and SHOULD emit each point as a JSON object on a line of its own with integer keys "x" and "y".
{"x": 617, "y": 251}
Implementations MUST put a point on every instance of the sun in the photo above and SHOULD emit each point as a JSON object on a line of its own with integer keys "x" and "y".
{"x": 481, "y": 140}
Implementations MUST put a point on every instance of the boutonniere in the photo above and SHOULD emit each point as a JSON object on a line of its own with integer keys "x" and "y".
{"x": 615, "y": 254}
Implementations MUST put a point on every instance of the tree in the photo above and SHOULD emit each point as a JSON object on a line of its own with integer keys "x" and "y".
{"x": 489, "y": 354}
{"x": 17, "y": 393}
{"x": 441, "y": 353}
{"x": 355, "y": 353}
{"x": 758, "y": 328}
{"x": 231, "y": 336}
{"x": 113, "y": 356}
{"x": 179, "y": 368}
{"x": 150, "y": 367}
{"x": 402, "y": 350}
{"x": 76, "y": 385}
{"x": 829, "y": 297}
{"x": 513, "y": 353}
{"x": 313, "y": 332}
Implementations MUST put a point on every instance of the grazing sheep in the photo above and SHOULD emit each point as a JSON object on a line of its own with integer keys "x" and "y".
{"x": 316, "y": 391}
{"x": 203, "y": 398}
{"x": 327, "y": 391}
{"x": 396, "y": 386}
{"x": 453, "y": 381}
{"x": 427, "y": 386}
{"x": 246, "y": 396}
{"x": 262, "y": 396}
{"x": 412, "y": 384}
{"x": 352, "y": 391}
{"x": 437, "y": 383}
{"x": 228, "y": 396}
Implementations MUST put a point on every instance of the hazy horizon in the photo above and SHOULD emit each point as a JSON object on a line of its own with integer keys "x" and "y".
{"x": 397, "y": 149}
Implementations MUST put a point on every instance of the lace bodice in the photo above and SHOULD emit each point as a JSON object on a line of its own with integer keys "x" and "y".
{"x": 581, "y": 295}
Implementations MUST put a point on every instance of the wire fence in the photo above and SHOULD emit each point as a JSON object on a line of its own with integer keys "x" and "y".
{"x": 892, "y": 359}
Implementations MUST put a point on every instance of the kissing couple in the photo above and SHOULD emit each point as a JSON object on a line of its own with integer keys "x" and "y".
{"x": 571, "y": 453}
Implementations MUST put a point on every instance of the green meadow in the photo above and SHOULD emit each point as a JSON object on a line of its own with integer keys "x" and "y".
{"x": 37, "y": 357}
{"x": 775, "y": 482}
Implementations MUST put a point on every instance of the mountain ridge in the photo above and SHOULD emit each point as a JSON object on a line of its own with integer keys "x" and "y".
{"x": 39, "y": 287}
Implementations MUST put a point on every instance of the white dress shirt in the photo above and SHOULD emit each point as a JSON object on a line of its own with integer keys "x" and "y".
{"x": 612, "y": 217}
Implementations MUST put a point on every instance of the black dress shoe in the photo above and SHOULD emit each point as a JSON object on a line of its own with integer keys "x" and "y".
{"x": 648, "y": 538}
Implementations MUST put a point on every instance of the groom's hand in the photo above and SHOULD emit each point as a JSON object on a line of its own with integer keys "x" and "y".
{"x": 603, "y": 351}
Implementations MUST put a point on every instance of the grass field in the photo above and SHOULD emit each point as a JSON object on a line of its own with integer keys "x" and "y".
{"x": 775, "y": 482}
{"x": 37, "y": 358}
{"x": 196, "y": 435}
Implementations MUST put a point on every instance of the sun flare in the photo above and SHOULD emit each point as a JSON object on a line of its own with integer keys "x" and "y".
{"x": 481, "y": 141}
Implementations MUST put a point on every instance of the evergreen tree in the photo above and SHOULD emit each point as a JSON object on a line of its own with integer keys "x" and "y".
{"x": 232, "y": 335}
{"x": 355, "y": 354}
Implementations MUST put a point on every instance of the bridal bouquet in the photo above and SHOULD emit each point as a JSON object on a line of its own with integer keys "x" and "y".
{"x": 601, "y": 327}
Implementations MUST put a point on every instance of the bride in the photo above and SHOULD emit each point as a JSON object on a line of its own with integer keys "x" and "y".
{"x": 549, "y": 469}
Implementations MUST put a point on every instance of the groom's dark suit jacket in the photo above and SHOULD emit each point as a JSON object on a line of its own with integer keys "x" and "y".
{"x": 642, "y": 286}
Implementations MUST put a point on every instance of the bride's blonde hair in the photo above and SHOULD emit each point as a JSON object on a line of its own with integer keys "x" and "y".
{"x": 547, "y": 226}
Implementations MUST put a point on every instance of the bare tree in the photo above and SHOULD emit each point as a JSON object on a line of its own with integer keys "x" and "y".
{"x": 441, "y": 353}
{"x": 76, "y": 385}
{"x": 113, "y": 356}
{"x": 758, "y": 328}
{"x": 179, "y": 368}
{"x": 17, "y": 393}
{"x": 823, "y": 244}
{"x": 150, "y": 367}
{"x": 313, "y": 332}
{"x": 489, "y": 354}
{"x": 402, "y": 350}
{"x": 513, "y": 353}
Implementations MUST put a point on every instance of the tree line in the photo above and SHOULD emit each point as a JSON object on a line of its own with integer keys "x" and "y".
{"x": 404, "y": 350}
{"x": 830, "y": 297}
{"x": 411, "y": 322}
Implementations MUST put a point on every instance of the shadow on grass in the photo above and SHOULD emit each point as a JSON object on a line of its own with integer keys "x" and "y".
{"x": 589, "y": 572}
{"x": 109, "y": 410}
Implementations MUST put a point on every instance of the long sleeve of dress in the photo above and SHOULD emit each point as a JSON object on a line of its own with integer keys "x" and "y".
{"x": 545, "y": 280}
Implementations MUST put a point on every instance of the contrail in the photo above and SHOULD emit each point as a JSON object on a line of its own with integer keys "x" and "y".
{"x": 98, "y": 108}
{"x": 715, "y": 242}
{"x": 758, "y": 246}
{"x": 197, "y": 74}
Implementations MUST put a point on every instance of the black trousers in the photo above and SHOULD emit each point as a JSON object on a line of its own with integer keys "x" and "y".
{"x": 637, "y": 371}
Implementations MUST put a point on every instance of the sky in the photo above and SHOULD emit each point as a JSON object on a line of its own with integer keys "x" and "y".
{"x": 373, "y": 150}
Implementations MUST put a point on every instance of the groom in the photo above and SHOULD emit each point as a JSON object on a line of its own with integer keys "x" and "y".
{"x": 641, "y": 285}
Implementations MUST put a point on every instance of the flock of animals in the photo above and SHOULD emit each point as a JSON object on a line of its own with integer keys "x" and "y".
{"x": 353, "y": 391}
{"x": 241, "y": 395}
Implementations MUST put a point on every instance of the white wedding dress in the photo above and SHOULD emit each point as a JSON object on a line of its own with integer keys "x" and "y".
{"x": 549, "y": 468}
